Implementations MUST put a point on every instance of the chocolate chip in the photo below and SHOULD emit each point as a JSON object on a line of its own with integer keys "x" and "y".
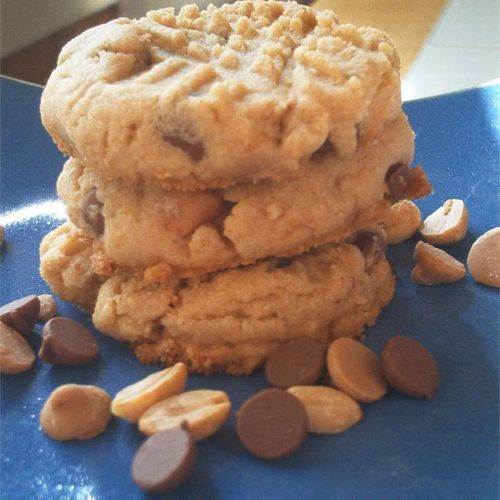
{"x": 372, "y": 244}
{"x": 409, "y": 367}
{"x": 272, "y": 424}
{"x": 194, "y": 149}
{"x": 21, "y": 314}
{"x": 67, "y": 342}
{"x": 92, "y": 212}
{"x": 325, "y": 149}
{"x": 297, "y": 362}
{"x": 164, "y": 461}
{"x": 397, "y": 178}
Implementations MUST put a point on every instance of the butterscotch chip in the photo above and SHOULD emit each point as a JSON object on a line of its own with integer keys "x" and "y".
{"x": 132, "y": 401}
{"x": 21, "y": 314}
{"x": 272, "y": 424}
{"x": 202, "y": 411}
{"x": 434, "y": 266}
{"x": 328, "y": 411}
{"x": 75, "y": 411}
{"x": 409, "y": 367}
{"x": 16, "y": 355}
{"x": 356, "y": 370}
{"x": 48, "y": 307}
{"x": 297, "y": 362}
{"x": 483, "y": 260}
{"x": 164, "y": 461}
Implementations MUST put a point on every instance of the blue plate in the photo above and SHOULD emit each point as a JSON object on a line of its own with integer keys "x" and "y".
{"x": 403, "y": 448}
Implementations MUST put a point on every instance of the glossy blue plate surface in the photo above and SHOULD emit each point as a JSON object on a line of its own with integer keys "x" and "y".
{"x": 403, "y": 449}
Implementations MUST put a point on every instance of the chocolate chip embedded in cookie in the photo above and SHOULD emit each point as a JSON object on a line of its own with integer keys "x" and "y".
{"x": 92, "y": 212}
{"x": 227, "y": 95}
{"x": 406, "y": 183}
{"x": 372, "y": 245}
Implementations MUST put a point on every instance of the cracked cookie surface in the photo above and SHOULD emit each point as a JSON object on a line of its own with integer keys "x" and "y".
{"x": 221, "y": 96}
{"x": 224, "y": 321}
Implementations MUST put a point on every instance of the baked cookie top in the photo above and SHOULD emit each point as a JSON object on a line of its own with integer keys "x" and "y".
{"x": 221, "y": 96}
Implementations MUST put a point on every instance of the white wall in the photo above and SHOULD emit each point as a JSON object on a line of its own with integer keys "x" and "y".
{"x": 26, "y": 21}
{"x": 137, "y": 8}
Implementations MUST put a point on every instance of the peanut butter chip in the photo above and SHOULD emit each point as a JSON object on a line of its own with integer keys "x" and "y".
{"x": 164, "y": 461}
{"x": 483, "y": 261}
{"x": 409, "y": 367}
{"x": 355, "y": 370}
{"x": 75, "y": 411}
{"x": 272, "y": 424}
{"x": 297, "y": 362}
{"x": 16, "y": 355}
{"x": 67, "y": 342}
{"x": 21, "y": 314}
{"x": 434, "y": 266}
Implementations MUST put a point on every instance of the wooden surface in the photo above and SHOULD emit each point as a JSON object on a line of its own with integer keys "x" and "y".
{"x": 408, "y": 22}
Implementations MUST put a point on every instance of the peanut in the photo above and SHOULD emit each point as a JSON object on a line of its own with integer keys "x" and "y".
{"x": 203, "y": 411}
{"x": 403, "y": 221}
{"x": 328, "y": 411}
{"x": 132, "y": 401}
{"x": 447, "y": 225}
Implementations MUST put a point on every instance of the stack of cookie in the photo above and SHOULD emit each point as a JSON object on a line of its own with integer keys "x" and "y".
{"x": 229, "y": 171}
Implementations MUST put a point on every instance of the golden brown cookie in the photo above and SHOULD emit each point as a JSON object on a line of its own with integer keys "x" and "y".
{"x": 201, "y": 231}
{"x": 231, "y": 320}
{"x": 222, "y": 96}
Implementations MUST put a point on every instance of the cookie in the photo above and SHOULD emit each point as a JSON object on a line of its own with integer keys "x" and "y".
{"x": 201, "y": 231}
{"x": 229, "y": 320}
{"x": 219, "y": 97}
